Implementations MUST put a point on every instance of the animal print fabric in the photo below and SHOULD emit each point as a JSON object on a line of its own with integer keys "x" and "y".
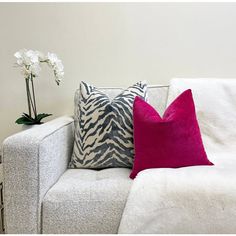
{"x": 104, "y": 127}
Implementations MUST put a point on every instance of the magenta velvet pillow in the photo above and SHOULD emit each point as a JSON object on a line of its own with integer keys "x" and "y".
{"x": 169, "y": 142}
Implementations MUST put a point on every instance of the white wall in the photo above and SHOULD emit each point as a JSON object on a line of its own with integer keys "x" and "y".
{"x": 111, "y": 44}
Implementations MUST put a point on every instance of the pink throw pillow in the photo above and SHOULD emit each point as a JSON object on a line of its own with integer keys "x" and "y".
{"x": 169, "y": 142}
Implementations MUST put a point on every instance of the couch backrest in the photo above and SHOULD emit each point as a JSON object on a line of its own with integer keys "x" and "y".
{"x": 157, "y": 95}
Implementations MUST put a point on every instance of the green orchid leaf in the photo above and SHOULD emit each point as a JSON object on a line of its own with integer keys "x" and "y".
{"x": 25, "y": 119}
{"x": 41, "y": 116}
{"x": 28, "y": 117}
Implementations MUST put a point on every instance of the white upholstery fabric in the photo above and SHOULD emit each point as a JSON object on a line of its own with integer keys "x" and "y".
{"x": 86, "y": 201}
{"x": 33, "y": 160}
{"x": 157, "y": 97}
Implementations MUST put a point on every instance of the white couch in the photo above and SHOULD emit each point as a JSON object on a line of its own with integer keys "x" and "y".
{"x": 43, "y": 196}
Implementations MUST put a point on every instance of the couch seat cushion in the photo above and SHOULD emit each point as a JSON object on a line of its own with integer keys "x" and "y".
{"x": 86, "y": 201}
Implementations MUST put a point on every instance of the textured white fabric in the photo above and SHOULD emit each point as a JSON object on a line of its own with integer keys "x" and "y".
{"x": 199, "y": 199}
{"x": 86, "y": 201}
{"x": 157, "y": 97}
{"x": 33, "y": 159}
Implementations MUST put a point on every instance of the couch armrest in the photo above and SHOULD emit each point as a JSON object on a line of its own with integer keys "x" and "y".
{"x": 33, "y": 161}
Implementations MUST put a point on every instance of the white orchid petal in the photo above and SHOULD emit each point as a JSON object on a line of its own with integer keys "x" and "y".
{"x": 30, "y": 61}
{"x": 17, "y": 55}
{"x": 52, "y": 57}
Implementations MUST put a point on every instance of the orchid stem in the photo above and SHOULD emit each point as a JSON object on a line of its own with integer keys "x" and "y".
{"x": 28, "y": 97}
{"x": 31, "y": 102}
{"x": 32, "y": 86}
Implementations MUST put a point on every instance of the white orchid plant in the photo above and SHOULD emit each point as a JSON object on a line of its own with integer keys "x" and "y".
{"x": 30, "y": 63}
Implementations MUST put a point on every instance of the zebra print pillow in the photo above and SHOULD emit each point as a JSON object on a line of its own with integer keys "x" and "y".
{"x": 104, "y": 127}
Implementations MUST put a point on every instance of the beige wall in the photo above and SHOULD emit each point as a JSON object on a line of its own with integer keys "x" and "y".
{"x": 111, "y": 44}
